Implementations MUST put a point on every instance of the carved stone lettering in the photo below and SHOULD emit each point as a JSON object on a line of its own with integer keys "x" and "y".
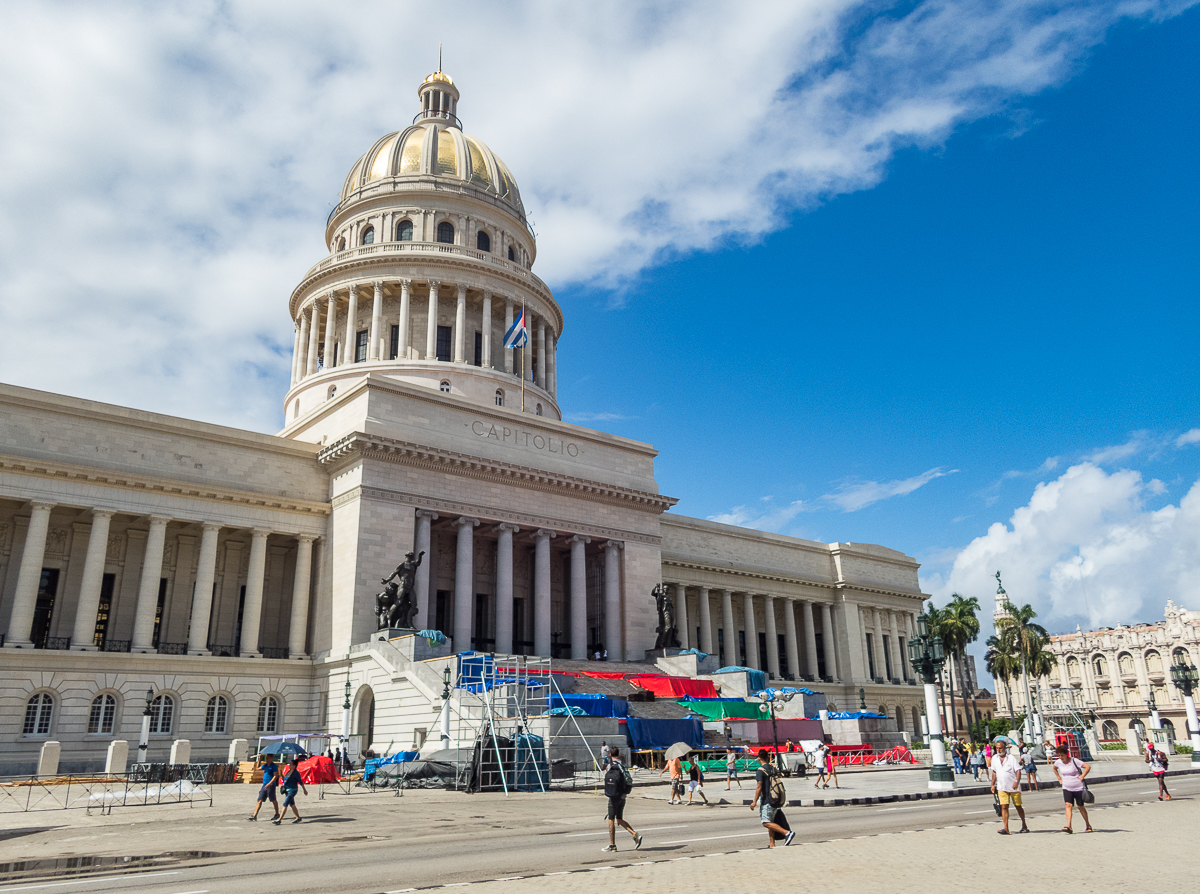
{"x": 519, "y": 437}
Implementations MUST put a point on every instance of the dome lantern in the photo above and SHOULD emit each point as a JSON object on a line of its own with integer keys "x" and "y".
{"x": 439, "y": 98}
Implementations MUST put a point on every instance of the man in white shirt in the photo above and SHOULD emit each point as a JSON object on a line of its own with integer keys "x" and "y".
{"x": 1006, "y": 776}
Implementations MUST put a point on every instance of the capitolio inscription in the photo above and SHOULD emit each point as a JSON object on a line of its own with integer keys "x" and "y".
{"x": 519, "y": 437}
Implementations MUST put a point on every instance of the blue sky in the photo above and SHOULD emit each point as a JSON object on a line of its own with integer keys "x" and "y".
{"x": 921, "y": 274}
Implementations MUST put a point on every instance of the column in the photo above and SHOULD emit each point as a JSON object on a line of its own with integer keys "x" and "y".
{"x": 93, "y": 577}
{"x": 29, "y": 578}
{"x": 880, "y": 657}
{"x": 302, "y": 361}
{"x": 147, "y": 601}
{"x": 810, "y": 642}
{"x": 552, "y": 366}
{"x": 298, "y": 627}
{"x": 508, "y": 321}
{"x": 375, "y": 339}
{"x": 296, "y": 356}
{"x": 772, "y": 638}
{"x": 348, "y": 346}
{"x": 827, "y": 641}
{"x": 252, "y": 609}
{"x": 730, "y": 657}
{"x": 504, "y": 588}
{"x": 541, "y": 354}
{"x": 460, "y": 326}
{"x": 612, "y": 600}
{"x": 752, "y": 656}
{"x": 431, "y": 328}
{"x": 706, "y": 637}
{"x": 330, "y": 330}
{"x": 681, "y": 616}
{"x": 464, "y": 583}
{"x": 402, "y": 348}
{"x": 485, "y": 328}
{"x": 202, "y": 593}
{"x": 425, "y": 619}
{"x": 314, "y": 330}
{"x": 790, "y": 641}
{"x": 579, "y": 641}
{"x": 541, "y": 592}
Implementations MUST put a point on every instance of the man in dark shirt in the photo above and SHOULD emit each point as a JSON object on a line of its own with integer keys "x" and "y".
{"x": 269, "y": 781}
{"x": 762, "y": 792}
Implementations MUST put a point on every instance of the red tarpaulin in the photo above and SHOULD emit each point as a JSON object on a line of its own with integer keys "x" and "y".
{"x": 318, "y": 769}
{"x": 674, "y": 687}
{"x": 604, "y": 675}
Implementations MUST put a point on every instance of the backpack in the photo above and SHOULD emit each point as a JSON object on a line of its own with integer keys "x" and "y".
{"x": 776, "y": 793}
{"x": 617, "y": 781}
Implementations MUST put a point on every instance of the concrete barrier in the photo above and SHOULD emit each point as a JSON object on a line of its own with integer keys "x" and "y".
{"x": 117, "y": 759}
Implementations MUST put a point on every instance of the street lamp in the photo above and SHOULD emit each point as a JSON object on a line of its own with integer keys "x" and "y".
{"x": 1155, "y": 720}
{"x": 927, "y": 655}
{"x": 769, "y": 697}
{"x": 862, "y": 699}
{"x": 444, "y": 720}
{"x": 1185, "y": 676}
{"x": 144, "y": 741}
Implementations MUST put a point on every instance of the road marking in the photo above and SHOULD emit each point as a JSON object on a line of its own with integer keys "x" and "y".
{"x": 403, "y": 890}
{"x": 712, "y": 838}
{"x": 973, "y": 812}
{"x": 651, "y": 829}
{"x": 89, "y": 881}
{"x": 915, "y": 807}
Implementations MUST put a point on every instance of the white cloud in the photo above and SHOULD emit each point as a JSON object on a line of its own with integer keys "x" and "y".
{"x": 1138, "y": 441}
{"x": 595, "y": 417}
{"x": 772, "y": 520}
{"x": 167, "y": 167}
{"x": 1188, "y": 437}
{"x": 852, "y": 497}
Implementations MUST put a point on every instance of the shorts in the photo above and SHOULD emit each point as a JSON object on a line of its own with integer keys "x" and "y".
{"x": 693, "y": 785}
{"x": 731, "y": 772}
{"x": 616, "y": 807}
{"x": 677, "y": 787}
{"x": 766, "y": 812}
{"x": 1013, "y": 798}
{"x": 289, "y": 797}
{"x": 267, "y": 794}
{"x": 1075, "y": 798}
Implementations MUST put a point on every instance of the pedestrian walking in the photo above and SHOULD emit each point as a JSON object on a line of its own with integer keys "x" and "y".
{"x": 1030, "y": 765}
{"x": 696, "y": 782}
{"x": 267, "y": 790}
{"x": 1157, "y": 759}
{"x": 618, "y": 783}
{"x": 290, "y": 784}
{"x": 1006, "y": 777}
{"x": 831, "y": 768}
{"x": 821, "y": 763}
{"x": 604, "y": 755}
{"x": 675, "y": 768}
{"x": 1072, "y": 772}
{"x": 770, "y": 793}
{"x": 956, "y": 754}
{"x": 731, "y": 773}
{"x": 975, "y": 760}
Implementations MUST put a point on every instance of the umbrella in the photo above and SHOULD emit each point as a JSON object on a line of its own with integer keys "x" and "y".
{"x": 284, "y": 748}
{"x": 1005, "y": 739}
{"x": 679, "y": 749}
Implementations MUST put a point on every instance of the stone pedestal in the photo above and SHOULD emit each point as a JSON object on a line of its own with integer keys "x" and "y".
{"x": 238, "y": 750}
{"x": 48, "y": 760}
{"x": 117, "y": 758}
{"x": 181, "y": 751}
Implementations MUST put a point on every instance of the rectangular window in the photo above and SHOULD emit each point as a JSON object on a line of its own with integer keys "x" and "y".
{"x": 158, "y": 611}
{"x": 444, "y": 340}
{"x": 394, "y": 351}
{"x": 479, "y": 349}
{"x": 360, "y": 345}
{"x": 43, "y": 610}
{"x": 871, "y": 657}
{"x": 104, "y": 610}
{"x": 336, "y": 345}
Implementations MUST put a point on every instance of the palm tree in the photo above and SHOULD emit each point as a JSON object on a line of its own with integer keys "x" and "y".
{"x": 960, "y": 628}
{"x": 1002, "y": 663}
{"x": 1028, "y": 640}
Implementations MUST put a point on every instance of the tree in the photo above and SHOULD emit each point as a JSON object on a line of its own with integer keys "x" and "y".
{"x": 1003, "y": 664}
{"x": 1028, "y": 641}
{"x": 960, "y": 628}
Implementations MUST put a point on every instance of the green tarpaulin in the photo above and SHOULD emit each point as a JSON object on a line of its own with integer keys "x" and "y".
{"x": 723, "y": 710}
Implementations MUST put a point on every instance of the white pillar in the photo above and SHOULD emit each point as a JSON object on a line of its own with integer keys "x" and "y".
{"x": 772, "y": 637}
{"x": 504, "y": 587}
{"x": 579, "y": 641}
{"x": 314, "y": 330}
{"x": 791, "y": 642}
{"x": 147, "y": 601}
{"x": 552, "y": 366}
{"x": 296, "y": 356}
{"x": 731, "y": 656}
{"x": 706, "y": 643}
{"x": 298, "y": 626}
{"x": 202, "y": 594}
{"x": 93, "y": 578}
{"x": 348, "y": 346}
{"x": 252, "y": 609}
{"x": 827, "y": 641}
{"x": 508, "y": 321}
{"x": 752, "y": 656}
{"x": 1189, "y": 705}
{"x": 681, "y": 616}
{"x": 612, "y": 600}
{"x": 29, "y": 577}
{"x": 302, "y": 362}
{"x": 936, "y": 743}
{"x": 810, "y": 642}
{"x": 375, "y": 339}
{"x": 330, "y": 330}
{"x": 431, "y": 328}
{"x": 541, "y": 354}
{"x": 402, "y": 349}
{"x": 464, "y": 583}
{"x": 425, "y": 619}
{"x": 541, "y": 592}
{"x": 485, "y": 329}
{"x": 460, "y": 326}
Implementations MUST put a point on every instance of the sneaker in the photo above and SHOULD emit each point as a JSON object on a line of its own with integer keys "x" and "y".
{"x": 276, "y": 821}
{"x": 637, "y": 842}
{"x": 252, "y": 819}
{"x": 296, "y": 820}
{"x": 788, "y": 838}
{"x": 1168, "y": 796}
{"x": 611, "y": 849}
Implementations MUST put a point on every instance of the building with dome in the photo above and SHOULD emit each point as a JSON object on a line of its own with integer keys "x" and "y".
{"x": 226, "y": 579}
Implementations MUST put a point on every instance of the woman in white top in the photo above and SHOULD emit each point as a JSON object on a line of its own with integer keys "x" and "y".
{"x": 1071, "y": 772}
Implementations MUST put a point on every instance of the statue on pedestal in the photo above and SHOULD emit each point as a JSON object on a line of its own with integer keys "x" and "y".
{"x": 395, "y": 606}
{"x": 668, "y": 635}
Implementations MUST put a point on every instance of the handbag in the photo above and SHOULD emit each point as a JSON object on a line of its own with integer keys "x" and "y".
{"x": 1088, "y": 797}
{"x": 996, "y": 804}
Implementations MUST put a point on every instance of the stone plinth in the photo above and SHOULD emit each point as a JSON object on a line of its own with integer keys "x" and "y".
{"x": 413, "y": 647}
{"x": 118, "y": 756}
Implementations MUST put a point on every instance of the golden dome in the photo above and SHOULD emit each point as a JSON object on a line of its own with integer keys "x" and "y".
{"x": 439, "y": 76}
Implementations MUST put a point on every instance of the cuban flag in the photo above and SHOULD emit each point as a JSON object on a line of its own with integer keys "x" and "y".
{"x": 518, "y": 334}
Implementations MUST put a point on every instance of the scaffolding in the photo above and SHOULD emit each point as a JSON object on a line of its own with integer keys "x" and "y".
{"x": 1062, "y": 711}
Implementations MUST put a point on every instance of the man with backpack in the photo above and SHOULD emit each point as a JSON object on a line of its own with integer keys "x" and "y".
{"x": 769, "y": 790}
{"x": 617, "y": 784}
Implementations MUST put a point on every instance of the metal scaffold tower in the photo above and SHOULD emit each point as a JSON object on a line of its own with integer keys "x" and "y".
{"x": 1062, "y": 710}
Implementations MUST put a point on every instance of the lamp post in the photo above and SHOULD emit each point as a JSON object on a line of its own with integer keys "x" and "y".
{"x": 444, "y": 720}
{"x": 1155, "y": 720}
{"x": 769, "y": 697}
{"x": 144, "y": 741}
{"x": 862, "y": 699}
{"x": 1185, "y": 676}
{"x": 927, "y": 655}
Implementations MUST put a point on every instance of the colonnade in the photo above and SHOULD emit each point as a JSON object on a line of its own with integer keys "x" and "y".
{"x": 885, "y": 643}
{"x": 323, "y": 310}
{"x": 20, "y": 627}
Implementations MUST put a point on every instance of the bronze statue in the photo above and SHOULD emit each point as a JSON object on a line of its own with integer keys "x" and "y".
{"x": 395, "y": 606}
{"x": 668, "y": 635}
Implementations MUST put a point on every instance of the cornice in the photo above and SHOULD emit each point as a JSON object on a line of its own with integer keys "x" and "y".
{"x": 360, "y": 444}
{"x": 764, "y": 574}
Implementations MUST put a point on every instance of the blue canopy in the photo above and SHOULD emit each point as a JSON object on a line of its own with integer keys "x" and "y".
{"x": 758, "y": 679}
{"x": 854, "y": 715}
{"x": 775, "y": 693}
{"x": 662, "y": 734}
{"x": 400, "y": 757}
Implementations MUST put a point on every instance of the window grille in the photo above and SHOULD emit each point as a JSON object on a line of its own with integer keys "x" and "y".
{"x": 268, "y": 714}
{"x": 162, "y": 714}
{"x": 368, "y": 236}
{"x": 216, "y": 714}
{"x": 445, "y": 232}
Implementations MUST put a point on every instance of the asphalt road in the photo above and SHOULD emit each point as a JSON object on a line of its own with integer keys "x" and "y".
{"x": 530, "y": 837}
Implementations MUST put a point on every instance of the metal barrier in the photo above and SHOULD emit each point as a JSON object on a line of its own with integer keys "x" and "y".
{"x": 144, "y": 785}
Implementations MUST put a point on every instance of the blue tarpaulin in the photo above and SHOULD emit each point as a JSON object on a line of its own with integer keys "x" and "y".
{"x": 564, "y": 711}
{"x": 592, "y": 705}
{"x": 661, "y": 734}
{"x": 400, "y": 757}
{"x": 758, "y": 679}
{"x": 854, "y": 715}
{"x": 775, "y": 693}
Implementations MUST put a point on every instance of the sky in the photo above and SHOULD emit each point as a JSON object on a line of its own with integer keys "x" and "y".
{"x": 919, "y": 274}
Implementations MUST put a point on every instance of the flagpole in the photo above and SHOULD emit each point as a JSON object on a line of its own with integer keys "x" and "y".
{"x": 523, "y": 365}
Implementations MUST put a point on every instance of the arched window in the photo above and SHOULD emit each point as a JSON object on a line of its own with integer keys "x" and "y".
{"x": 1154, "y": 662}
{"x": 445, "y": 386}
{"x": 483, "y": 241}
{"x": 368, "y": 236}
{"x": 404, "y": 231}
{"x": 38, "y": 712}
{"x": 499, "y": 398}
{"x": 1181, "y": 656}
{"x": 341, "y": 243}
{"x": 511, "y": 254}
{"x": 1109, "y": 730}
{"x": 216, "y": 715}
{"x": 1100, "y": 666}
{"x": 268, "y": 714}
{"x": 162, "y": 714}
{"x": 103, "y": 714}
{"x": 538, "y": 410}
{"x": 1072, "y": 669}
{"x": 1125, "y": 663}
{"x": 445, "y": 232}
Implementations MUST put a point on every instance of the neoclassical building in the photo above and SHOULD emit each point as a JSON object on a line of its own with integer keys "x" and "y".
{"x": 230, "y": 577}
